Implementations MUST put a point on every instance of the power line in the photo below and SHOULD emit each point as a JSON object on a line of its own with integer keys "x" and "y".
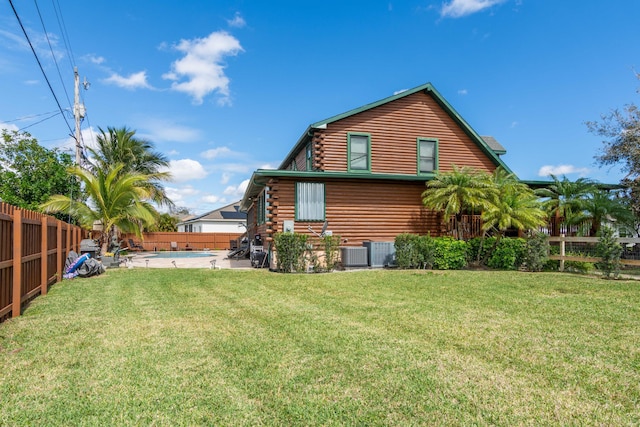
{"x": 39, "y": 121}
{"x": 39, "y": 63}
{"x": 63, "y": 31}
{"x": 31, "y": 116}
{"x": 53, "y": 55}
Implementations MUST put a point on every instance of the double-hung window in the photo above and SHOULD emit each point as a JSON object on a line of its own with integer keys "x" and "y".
{"x": 310, "y": 201}
{"x": 359, "y": 147}
{"x": 427, "y": 155}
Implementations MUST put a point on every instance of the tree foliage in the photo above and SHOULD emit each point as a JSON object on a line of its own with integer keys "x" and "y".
{"x": 620, "y": 130}
{"x": 458, "y": 192}
{"x": 116, "y": 200}
{"x": 30, "y": 173}
{"x": 137, "y": 155}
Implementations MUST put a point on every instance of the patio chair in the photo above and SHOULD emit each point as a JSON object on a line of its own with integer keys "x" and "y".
{"x": 174, "y": 246}
{"x": 135, "y": 246}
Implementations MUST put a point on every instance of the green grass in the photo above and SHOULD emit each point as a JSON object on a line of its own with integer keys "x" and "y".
{"x": 210, "y": 347}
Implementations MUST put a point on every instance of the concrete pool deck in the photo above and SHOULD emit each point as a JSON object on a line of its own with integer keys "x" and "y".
{"x": 148, "y": 260}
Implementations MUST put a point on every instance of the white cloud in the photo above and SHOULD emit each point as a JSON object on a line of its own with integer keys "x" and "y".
{"x": 133, "y": 81}
{"x": 400, "y": 91}
{"x": 562, "y": 170}
{"x": 463, "y": 92}
{"x": 94, "y": 59}
{"x": 186, "y": 170}
{"x": 225, "y": 178}
{"x": 164, "y": 130}
{"x": 201, "y": 70}
{"x": 177, "y": 195}
{"x": 9, "y": 127}
{"x": 215, "y": 152}
{"x": 212, "y": 198}
{"x": 460, "y": 8}
{"x": 237, "y": 21}
{"x": 514, "y": 124}
{"x": 237, "y": 191}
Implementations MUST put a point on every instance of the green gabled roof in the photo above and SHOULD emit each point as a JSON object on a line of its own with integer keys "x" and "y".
{"x": 426, "y": 88}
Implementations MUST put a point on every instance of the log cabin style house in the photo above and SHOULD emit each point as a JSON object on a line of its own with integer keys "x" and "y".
{"x": 363, "y": 171}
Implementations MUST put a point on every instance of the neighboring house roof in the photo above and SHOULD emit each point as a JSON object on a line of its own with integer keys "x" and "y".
{"x": 231, "y": 212}
{"x": 426, "y": 88}
{"x": 494, "y": 145}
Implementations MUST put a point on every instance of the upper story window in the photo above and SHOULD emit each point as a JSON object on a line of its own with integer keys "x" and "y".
{"x": 427, "y": 155}
{"x": 359, "y": 152}
{"x": 309, "y": 157}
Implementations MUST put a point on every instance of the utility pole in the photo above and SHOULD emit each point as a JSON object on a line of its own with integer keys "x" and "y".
{"x": 78, "y": 114}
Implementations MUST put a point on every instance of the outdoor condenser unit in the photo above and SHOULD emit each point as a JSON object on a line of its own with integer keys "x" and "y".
{"x": 381, "y": 254}
{"x": 354, "y": 257}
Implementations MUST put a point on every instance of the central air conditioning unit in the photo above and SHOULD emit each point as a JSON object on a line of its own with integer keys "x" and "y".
{"x": 381, "y": 254}
{"x": 354, "y": 257}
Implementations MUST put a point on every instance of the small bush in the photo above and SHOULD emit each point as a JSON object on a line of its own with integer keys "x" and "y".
{"x": 610, "y": 251}
{"x": 509, "y": 254}
{"x": 331, "y": 245}
{"x": 290, "y": 248}
{"x": 537, "y": 252}
{"x": 407, "y": 250}
{"x": 449, "y": 253}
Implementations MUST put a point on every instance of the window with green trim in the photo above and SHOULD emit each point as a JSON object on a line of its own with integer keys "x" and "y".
{"x": 427, "y": 155}
{"x": 309, "y": 156}
{"x": 261, "y": 209}
{"x": 310, "y": 201}
{"x": 359, "y": 156}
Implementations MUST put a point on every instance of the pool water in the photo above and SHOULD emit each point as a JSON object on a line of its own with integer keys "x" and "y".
{"x": 181, "y": 254}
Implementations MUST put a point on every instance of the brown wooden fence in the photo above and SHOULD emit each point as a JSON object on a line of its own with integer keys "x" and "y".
{"x": 583, "y": 249}
{"x": 33, "y": 249}
{"x": 161, "y": 241}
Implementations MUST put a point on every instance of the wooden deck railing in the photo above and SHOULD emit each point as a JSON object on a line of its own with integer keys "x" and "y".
{"x": 33, "y": 249}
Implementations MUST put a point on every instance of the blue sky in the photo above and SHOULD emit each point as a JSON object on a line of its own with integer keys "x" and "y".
{"x": 226, "y": 87}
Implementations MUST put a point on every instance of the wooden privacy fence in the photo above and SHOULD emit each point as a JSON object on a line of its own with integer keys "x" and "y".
{"x": 33, "y": 249}
{"x": 582, "y": 249}
{"x": 161, "y": 241}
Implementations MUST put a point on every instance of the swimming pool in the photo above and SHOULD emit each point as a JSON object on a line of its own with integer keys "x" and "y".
{"x": 180, "y": 254}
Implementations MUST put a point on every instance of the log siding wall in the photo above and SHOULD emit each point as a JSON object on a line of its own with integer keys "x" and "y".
{"x": 356, "y": 212}
{"x": 394, "y": 129}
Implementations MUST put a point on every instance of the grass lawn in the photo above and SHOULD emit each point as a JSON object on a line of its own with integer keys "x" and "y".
{"x": 209, "y": 347}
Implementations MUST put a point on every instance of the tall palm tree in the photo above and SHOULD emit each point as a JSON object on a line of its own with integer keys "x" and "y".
{"x": 116, "y": 199}
{"x": 564, "y": 200}
{"x": 456, "y": 192}
{"x": 137, "y": 155}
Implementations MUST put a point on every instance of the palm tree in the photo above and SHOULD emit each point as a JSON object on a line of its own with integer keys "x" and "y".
{"x": 456, "y": 192}
{"x": 600, "y": 206}
{"x": 565, "y": 199}
{"x": 120, "y": 145}
{"x": 116, "y": 199}
{"x": 513, "y": 205}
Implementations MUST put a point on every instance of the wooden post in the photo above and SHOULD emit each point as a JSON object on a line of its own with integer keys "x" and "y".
{"x": 44, "y": 254}
{"x": 562, "y": 252}
{"x": 16, "y": 304}
{"x": 59, "y": 266}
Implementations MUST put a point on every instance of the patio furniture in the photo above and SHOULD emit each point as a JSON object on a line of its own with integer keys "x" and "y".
{"x": 135, "y": 246}
{"x": 174, "y": 246}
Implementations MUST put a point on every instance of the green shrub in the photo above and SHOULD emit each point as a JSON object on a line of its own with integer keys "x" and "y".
{"x": 331, "y": 245}
{"x": 407, "y": 250}
{"x": 537, "y": 252}
{"x": 449, "y": 253}
{"x": 509, "y": 254}
{"x": 610, "y": 251}
{"x": 474, "y": 247}
{"x": 290, "y": 248}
